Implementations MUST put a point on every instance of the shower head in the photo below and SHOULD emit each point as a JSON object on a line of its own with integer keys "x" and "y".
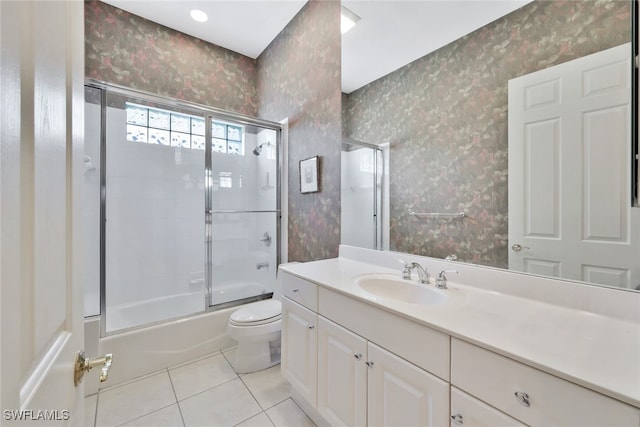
{"x": 258, "y": 149}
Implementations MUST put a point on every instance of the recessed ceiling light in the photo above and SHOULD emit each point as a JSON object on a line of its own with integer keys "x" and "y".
{"x": 199, "y": 15}
{"x": 348, "y": 20}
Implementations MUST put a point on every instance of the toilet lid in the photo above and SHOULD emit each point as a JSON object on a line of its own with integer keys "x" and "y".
{"x": 257, "y": 313}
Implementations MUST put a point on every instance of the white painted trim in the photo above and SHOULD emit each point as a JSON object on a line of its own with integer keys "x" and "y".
{"x": 284, "y": 193}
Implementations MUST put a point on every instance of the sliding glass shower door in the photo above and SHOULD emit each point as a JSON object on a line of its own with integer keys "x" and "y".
{"x": 184, "y": 200}
{"x": 362, "y": 195}
{"x": 154, "y": 212}
{"x": 242, "y": 212}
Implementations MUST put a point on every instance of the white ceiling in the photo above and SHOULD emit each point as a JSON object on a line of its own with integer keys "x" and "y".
{"x": 390, "y": 33}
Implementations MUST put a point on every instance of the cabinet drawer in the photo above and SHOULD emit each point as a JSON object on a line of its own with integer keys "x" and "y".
{"x": 470, "y": 412}
{"x": 300, "y": 291}
{"x": 545, "y": 400}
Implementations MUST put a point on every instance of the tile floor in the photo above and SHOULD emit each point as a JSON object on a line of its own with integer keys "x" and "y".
{"x": 202, "y": 393}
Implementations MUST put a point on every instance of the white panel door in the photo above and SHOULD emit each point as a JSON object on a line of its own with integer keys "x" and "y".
{"x": 570, "y": 209}
{"x": 42, "y": 116}
{"x": 342, "y": 375}
{"x": 403, "y": 395}
{"x": 299, "y": 363}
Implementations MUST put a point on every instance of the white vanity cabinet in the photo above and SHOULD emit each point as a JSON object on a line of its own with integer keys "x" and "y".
{"x": 342, "y": 375}
{"x": 401, "y": 394}
{"x": 299, "y": 364}
{"x": 362, "y": 384}
{"x": 532, "y": 396}
{"x": 356, "y": 363}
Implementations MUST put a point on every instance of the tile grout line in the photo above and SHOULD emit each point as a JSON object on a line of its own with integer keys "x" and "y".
{"x": 144, "y": 415}
{"x": 254, "y": 398}
{"x": 210, "y": 388}
{"x": 176, "y": 396}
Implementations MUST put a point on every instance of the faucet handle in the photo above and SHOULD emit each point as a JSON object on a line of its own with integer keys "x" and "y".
{"x": 406, "y": 269}
{"x": 441, "y": 280}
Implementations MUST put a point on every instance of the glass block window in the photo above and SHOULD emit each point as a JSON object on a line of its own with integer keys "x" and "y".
{"x": 227, "y": 138}
{"x": 161, "y": 127}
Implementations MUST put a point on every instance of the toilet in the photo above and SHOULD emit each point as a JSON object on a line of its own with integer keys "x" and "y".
{"x": 256, "y": 327}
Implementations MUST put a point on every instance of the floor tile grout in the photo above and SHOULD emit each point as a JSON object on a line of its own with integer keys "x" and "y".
{"x": 144, "y": 415}
{"x": 259, "y": 385}
{"x": 176, "y": 396}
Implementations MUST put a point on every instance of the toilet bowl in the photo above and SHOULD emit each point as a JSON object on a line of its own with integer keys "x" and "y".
{"x": 256, "y": 327}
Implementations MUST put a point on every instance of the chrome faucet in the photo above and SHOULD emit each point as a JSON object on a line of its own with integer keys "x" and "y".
{"x": 423, "y": 274}
{"x": 441, "y": 280}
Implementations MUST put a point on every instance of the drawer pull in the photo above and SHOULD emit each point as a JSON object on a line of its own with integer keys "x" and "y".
{"x": 358, "y": 356}
{"x": 369, "y": 364}
{"x": 457, "y": 419}
{"x": 523, "y": 398}
{"x": 295, "y": 291}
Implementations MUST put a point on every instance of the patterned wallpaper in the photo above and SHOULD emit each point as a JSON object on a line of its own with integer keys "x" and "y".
{"x": 125, "y": 49}
{"x": 446, "y": 118}
{"x": 299, "y": 78}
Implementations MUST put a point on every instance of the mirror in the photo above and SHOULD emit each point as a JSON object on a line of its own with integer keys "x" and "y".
{"x": 445, "y": 117}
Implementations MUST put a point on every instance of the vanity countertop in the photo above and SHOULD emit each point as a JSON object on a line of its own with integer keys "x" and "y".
{"x": 598, "y": 352}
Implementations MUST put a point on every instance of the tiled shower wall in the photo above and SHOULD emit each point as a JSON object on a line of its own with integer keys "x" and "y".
{"x": 445, "y": 116}
{"x": 298, "y": 76}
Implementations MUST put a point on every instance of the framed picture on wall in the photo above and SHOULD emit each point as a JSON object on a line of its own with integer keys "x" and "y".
{"x": 309, "y": 175}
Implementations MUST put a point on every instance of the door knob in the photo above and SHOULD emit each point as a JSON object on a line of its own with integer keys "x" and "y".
{"x": 84, "y": 364}
{"x": 517, "y": 248}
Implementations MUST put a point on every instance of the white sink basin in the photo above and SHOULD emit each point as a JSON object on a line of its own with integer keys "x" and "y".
{"x": 393, "y": 288}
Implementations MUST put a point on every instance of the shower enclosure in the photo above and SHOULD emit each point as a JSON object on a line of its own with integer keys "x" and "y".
{"x": 363, "y": 198}
{"x": 182, "y": 208}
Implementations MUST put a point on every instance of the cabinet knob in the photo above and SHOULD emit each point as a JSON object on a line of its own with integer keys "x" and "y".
{"x": 369, "y": 364}
{"x": 358, "y": 356}
{"x": 457, "y": 419}
{"x": 523, "y": 398}
{"x": 295, "y": 291}
{"x": 311, "y": 326}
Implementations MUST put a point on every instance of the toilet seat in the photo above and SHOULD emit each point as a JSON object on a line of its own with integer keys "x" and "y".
{"x": 258, "y": 313}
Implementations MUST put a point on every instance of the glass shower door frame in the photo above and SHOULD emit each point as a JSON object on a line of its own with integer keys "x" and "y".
{"x": 209, "y": 211}
{"x": 208, "y": 113}
{"x": 378, "y": 189}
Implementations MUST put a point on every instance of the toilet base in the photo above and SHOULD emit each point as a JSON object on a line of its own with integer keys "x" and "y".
{"x": 251, "y": 356}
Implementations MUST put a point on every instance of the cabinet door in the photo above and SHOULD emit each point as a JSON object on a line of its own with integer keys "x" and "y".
{"x": 300, "y": 349}
{"x": 401, "y": 394}
{"x": 470, "y": 412}
{"x": 342, "y": 375}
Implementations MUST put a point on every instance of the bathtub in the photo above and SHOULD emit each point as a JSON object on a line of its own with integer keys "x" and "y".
{"x": 160, "y": 345}
{"x": 128, "y": 315}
